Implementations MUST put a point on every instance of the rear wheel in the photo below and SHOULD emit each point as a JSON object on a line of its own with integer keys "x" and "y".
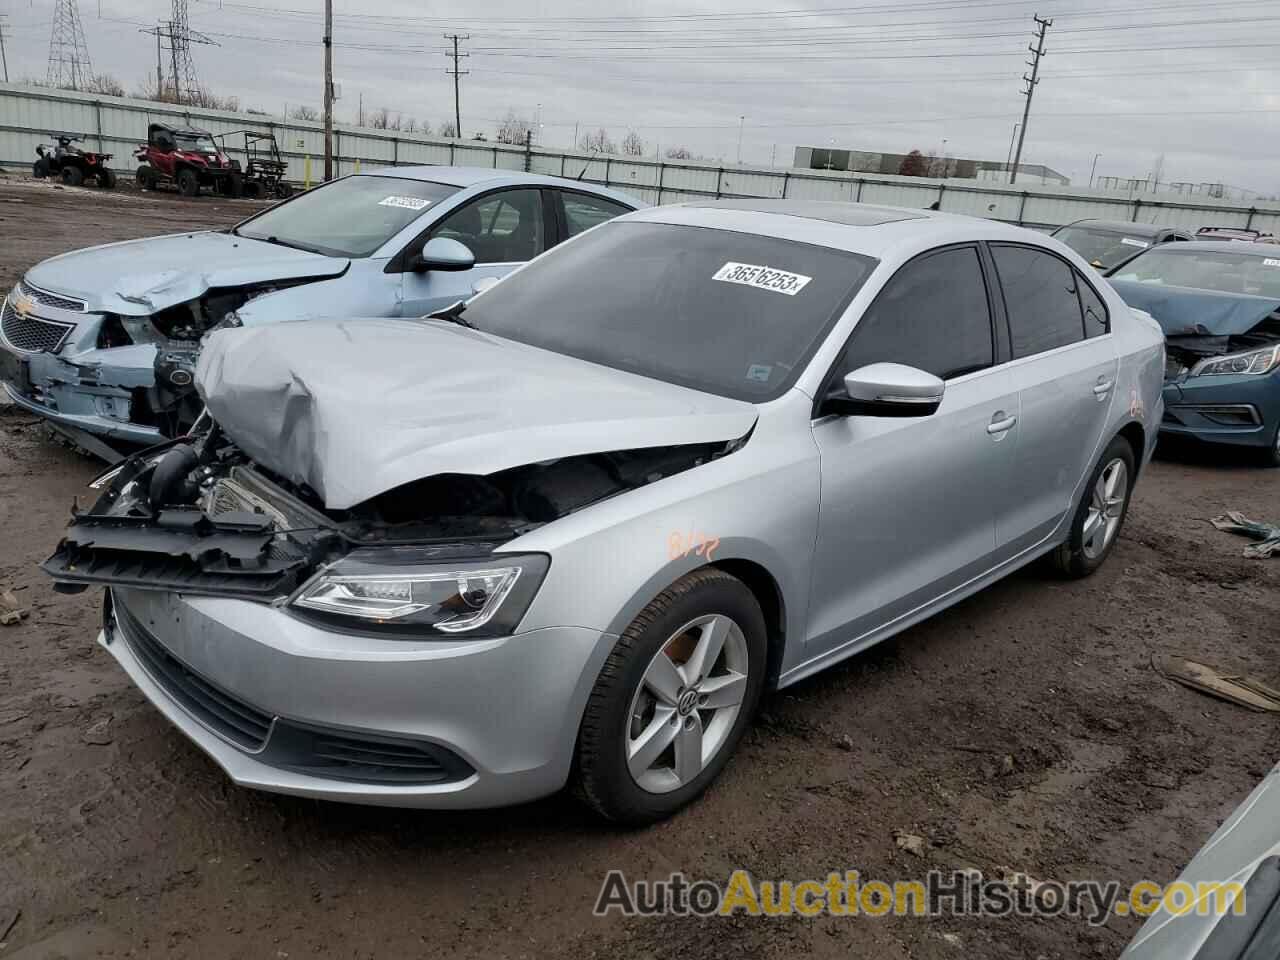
{"x": 188, "y": 182}
{"x": 107, "y": 178}
{"x": 1101, "y": 513}
{"x": 284, "y": 190}
{"x": 232, "y": 186}
{"x": 72, "y": 176}
{"x": 673, "y": 699}
{"x": 146, "y": 177}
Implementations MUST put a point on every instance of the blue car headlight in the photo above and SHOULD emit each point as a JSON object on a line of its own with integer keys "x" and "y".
{"x": 400, "y": 592}
{"x": 1255, "y": 362}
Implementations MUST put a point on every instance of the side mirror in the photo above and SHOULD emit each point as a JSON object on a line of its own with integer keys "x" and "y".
{"x": 443, "y": 253}
{"x": 887, "y": 390}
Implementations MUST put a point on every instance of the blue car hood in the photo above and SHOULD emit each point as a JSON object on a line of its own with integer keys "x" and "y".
{"x": 1187, "y": 311}
{"x": 138, "y": 277}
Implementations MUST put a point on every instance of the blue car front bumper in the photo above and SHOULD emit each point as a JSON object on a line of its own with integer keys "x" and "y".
{"x": 1239, "y": 410}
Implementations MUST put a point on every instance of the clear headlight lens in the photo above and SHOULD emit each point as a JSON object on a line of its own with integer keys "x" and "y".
{"x": 378, "y": 591}
{"x": 1251, "y": 362}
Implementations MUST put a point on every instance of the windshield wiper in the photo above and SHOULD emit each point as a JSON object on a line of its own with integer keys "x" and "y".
{"x": 283, "y": 243}
{"x": 452, "y": 314}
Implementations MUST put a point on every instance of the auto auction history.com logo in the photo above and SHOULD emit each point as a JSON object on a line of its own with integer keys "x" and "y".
{"x": 959, "y": 893}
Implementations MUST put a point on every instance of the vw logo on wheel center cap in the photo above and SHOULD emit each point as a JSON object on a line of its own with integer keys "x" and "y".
{"x": 687, "y": 702}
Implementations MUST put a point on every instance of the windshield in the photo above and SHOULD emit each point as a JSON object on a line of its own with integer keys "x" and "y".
{"x": 351, "y": 217}
{"x": 201, "y": 143}
{"x": 734, "y": 314}
{"x": 1221, "y": 270}
{"x": 1102, "y": 248}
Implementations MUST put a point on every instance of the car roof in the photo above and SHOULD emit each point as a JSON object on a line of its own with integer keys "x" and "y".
{"x": 1124, "y": 226}
{"x": 1247, "y": 248}
{"x": 866, "y": 229}
{"x": 467, "y": 177}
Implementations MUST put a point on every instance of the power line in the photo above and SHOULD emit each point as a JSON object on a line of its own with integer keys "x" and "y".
{"x": 457, "y": 73}
{"x": 1037, "y": 53}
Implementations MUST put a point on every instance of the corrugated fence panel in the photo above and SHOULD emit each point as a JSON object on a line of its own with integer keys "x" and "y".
{"x": 116, "y": 125}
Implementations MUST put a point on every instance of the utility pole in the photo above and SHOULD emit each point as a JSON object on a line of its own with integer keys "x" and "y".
{"x": 3, "y": 59}
{"x": 741, "y": 121}
{"x": 457, "y": 110}
{"x": 1093, "y": 168}
{"x": 1037, "y": 52}
{"x": 328, "y": 90}
{"x": 1008, "y": 157}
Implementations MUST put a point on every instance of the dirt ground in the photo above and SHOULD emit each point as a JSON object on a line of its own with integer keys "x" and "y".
{"x": 1024, "y": 728}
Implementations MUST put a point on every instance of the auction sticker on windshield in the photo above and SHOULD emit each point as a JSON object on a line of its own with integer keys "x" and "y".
{"x": 1135, "y": 243}
{"x": 762, "y": 277}
{"x": 1271, "y": 263}
{"x": 409, "y": 203}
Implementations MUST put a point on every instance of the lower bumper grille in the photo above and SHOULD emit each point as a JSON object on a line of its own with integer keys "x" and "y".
{"x": 232, "y": 718}
{"x": 32, "y": 333}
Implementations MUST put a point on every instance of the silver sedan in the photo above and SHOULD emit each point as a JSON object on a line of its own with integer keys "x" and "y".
{"x": 575, "y": 528}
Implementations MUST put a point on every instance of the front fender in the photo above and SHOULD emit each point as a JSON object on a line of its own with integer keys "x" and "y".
{"x": 360, "y": 292}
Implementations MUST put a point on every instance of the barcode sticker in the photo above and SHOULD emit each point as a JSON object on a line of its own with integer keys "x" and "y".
{"x": 409, "y": 203}
{"x": 1135, "y": 243}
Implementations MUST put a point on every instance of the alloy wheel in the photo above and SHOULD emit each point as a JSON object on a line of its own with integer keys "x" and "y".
{"x": 1106, "y": 509}
{"x": 687, "y": 703}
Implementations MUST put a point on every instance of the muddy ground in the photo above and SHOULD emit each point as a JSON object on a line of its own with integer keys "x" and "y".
{"x": 119, "y": 838}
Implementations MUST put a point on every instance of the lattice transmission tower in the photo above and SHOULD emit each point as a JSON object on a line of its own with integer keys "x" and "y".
{"x": 69, "y": 65}
{"x": 174, "y": 38}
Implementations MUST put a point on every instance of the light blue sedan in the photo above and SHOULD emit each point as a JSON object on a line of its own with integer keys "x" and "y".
{"x": 102, "y": 342}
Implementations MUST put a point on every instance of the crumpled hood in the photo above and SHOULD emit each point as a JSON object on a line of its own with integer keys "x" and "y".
{"x": 358, "y": 407}
{"x": 139, "y": 277}
{"x": 1186, "y": 311}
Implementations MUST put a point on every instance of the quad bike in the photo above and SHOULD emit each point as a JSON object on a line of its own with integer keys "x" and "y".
{"x": 189, "y": 159}
{"x": 72, "y": 165}
{"x": 264, "y": 168}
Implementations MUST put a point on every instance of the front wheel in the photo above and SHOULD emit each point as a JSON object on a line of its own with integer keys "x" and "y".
{"x": 188, "y": 182}
{"x": 673, "y": 700}
{"x": 40, "y": 169}
{"x": 1101, "y": 513}
{"x": 107, "y": 178}
{"x": 146, "y": 177}
{"x": 72, "y": 176}
{"x": 1271, "y": 457}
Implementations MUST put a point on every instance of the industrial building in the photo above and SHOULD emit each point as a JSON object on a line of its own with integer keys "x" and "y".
{"x": 957, "y": 168}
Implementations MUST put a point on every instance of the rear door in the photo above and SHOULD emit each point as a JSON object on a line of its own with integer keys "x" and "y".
{"x": 503, "y": 229}
{"x": 908, "y": 504}
{"x": 1064, "y": 366}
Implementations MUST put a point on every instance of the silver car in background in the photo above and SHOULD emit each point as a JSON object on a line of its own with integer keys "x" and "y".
{"x": 575, "y": 528}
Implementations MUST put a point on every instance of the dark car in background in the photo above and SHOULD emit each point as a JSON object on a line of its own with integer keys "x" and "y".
{"x": 1219, "y": 306}
{"x": 1106, "y": 244}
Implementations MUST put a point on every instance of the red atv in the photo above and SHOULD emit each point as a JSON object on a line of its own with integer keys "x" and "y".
{"x": 71, "y": 164}
{"x": 189, "y": 159}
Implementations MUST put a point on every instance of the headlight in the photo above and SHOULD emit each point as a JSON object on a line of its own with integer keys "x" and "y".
{"x": 1251, "y": 362}
{"x": 404, "y": 592}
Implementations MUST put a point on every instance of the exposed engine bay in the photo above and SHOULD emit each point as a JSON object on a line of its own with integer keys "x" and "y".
{"x": 197, "y": 515}
{"x": 1184, "y": 351}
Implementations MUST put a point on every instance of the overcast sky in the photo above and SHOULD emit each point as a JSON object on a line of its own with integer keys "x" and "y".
{"x": 1194, "y": 81}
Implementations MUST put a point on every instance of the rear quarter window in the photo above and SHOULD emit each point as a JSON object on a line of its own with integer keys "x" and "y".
{"x": 1040, "y": 298}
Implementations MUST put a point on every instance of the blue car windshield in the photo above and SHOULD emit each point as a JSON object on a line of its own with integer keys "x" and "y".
{"x": 735, "y": 314}
{"x": 351, "y": 217}
{"x": 1224, "y": 271}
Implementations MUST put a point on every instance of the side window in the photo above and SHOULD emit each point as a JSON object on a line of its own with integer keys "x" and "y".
{"x": 933, "y": 314}
{"x": 504, "y": 227}
{"x": 582, "y": 212}
{"x": 1040, "y": 296}
{"x": 1096, "y": 322}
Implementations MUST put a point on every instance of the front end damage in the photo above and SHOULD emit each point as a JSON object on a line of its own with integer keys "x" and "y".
{"x": 110, "y": 375}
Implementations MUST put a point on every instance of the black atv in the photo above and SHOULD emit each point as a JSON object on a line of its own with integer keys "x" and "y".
{"x": 72, "y": 165}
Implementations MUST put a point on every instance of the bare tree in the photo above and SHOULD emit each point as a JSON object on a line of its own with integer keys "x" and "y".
{"x": 380, "y": 119}
{"x": 447, "y": 129}
{"x": 679, "y": 153}
{"x": 303, "y": 112}
{"x": 514, "y": 129}
{"x": 104, "y": 84}
{"x": 913, "y": 165}
{"x": 632, "y": 145}
{"x": 597, "y": 142}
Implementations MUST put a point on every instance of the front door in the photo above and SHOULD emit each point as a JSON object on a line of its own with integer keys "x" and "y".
{"x": 908, "y": 505}
{"x": 503, "y": 229}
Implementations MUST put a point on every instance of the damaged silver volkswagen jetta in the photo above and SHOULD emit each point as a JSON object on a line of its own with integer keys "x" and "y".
{"x": 574, "y": 529}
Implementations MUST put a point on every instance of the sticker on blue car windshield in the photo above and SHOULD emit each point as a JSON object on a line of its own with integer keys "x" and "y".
{"x": 409, "y": 203}
{"x": 1135, "y": 243}
{"x": 762, "y": 277}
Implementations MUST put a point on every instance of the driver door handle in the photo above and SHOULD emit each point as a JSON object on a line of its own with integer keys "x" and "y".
{"x": 1103, "y": 387}
{"x": 1001, "y": 426}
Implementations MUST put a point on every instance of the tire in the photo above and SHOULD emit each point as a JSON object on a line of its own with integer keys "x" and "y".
{"x": 72, "y": 176}
{"x": 107, "y": 178}
{"x": 232, "y": 186}
{"x": 1271, "y": 457}
{"x": 188, "y": 182}
{"x": 146, "y": 177}
{"x": 40, "y": 169}
{"x": 1085, "y": 551}
{"x": 252, "y": 190}
{"x": 622, "y": 708}
{"x": 284, "y": 190}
